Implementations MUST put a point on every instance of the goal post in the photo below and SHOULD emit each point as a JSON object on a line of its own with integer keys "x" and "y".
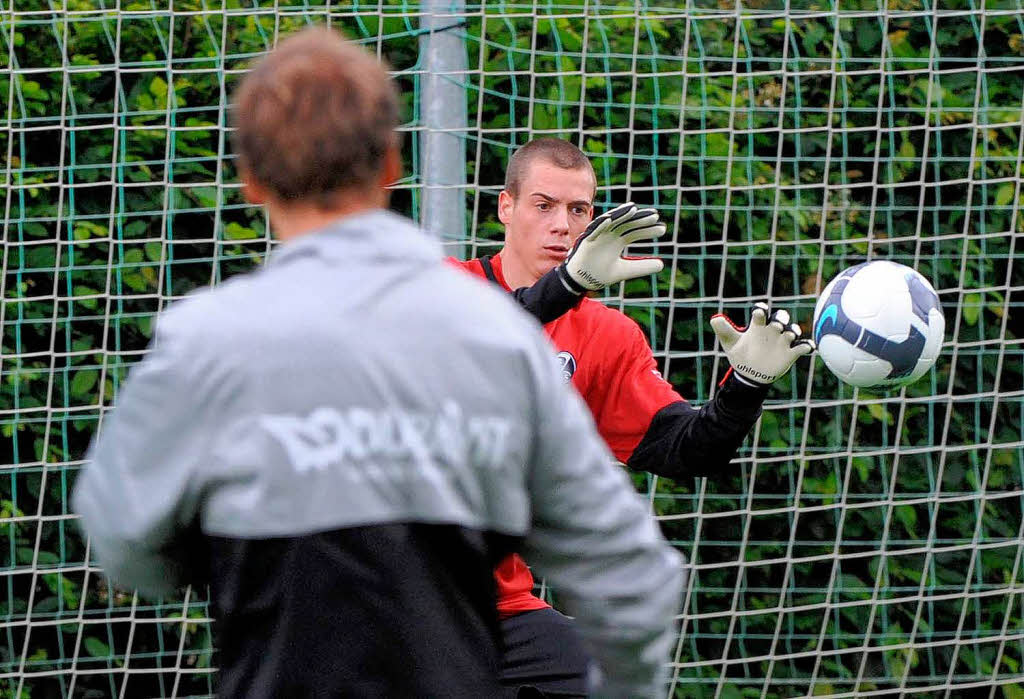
{"x": 869, "y": 543}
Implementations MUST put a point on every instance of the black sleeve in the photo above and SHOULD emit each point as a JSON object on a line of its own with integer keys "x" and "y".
{"x": 686, "y": 442}
{"x": 549, "y": 298}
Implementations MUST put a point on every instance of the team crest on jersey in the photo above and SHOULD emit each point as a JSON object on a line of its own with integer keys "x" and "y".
{"x": 567, "y": 363}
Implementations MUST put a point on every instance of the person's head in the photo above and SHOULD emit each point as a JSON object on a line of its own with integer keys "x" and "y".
{"x": 315, "y": 125}
{"x": 547, "y": 202}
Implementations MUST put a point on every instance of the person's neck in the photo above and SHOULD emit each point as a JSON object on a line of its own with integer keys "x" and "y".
{"x": 515, "y": 272}
{"x": 291, "y": 220}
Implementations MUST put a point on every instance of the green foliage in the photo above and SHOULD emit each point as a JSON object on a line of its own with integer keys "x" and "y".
{"x": 780, "y": 151}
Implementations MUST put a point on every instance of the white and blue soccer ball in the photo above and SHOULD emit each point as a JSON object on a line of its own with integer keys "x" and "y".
{"x": 879, "y": 324}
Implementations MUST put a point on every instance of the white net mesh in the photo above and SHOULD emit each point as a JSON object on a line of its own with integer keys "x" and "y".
{"x": 868, "y": 544}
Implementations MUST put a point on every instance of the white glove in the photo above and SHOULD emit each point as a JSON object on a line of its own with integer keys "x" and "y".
{"x": 597, "y": 261}
{"x": 764, "y": 350}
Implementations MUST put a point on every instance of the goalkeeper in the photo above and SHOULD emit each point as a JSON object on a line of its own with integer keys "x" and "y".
{"x": 344, "y": 444}
{"x": 554, "y": 252}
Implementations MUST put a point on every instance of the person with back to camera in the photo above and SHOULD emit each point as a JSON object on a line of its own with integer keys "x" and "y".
{"x": 345, "y": 443}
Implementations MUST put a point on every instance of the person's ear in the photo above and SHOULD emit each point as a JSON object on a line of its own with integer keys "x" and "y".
{"x": 391, "y": 170}
{"x": 506, "y": 203}
{"x": 254, "y": 192}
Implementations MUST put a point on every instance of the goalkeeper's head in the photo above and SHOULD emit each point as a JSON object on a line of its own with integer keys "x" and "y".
{"x": 315, "y": 126}
{"x": 546, "y": 204}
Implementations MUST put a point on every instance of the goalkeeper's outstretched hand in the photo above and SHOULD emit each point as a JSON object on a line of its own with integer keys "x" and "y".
{"x": 597, "y": 260}
{"x": 765, "y": 349}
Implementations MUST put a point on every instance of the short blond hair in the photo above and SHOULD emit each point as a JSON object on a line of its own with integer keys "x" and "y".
{"x": 550, "y": 150}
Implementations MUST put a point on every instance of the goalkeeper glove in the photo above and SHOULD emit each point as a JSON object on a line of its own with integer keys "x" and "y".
{"x": 596, "y": 260}
{"x": 764, "y": 350}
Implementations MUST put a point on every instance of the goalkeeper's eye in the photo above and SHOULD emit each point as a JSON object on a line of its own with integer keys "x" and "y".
{"x": 579, "y": 211}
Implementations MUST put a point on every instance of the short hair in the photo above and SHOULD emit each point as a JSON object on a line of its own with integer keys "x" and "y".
{"x": 315, "y": 117}
{"x": 552, "y": 150}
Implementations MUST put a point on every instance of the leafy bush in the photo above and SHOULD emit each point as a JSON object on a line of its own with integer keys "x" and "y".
{"x": 781, "y": 149}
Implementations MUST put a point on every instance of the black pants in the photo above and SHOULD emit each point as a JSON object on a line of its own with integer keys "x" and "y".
{"x": 544, "y": 657}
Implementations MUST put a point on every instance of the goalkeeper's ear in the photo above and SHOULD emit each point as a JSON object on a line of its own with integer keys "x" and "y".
{"x": 506, "y": 202}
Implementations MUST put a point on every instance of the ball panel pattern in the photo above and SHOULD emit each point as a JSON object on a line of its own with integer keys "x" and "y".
{"x": 878, "y": 324}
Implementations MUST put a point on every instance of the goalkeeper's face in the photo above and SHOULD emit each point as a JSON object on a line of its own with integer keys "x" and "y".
{"x": 545, "y": 217}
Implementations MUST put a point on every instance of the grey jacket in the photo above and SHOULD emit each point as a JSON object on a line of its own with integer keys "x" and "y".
{"x": 357, "y": 381}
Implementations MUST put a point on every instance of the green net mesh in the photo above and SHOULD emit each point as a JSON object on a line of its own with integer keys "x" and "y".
{"x": 869, "y": 542}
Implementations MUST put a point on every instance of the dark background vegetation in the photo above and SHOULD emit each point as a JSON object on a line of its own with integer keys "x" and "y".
{"x": 866, "y": 541}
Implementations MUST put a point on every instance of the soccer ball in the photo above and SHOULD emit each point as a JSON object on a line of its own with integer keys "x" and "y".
{"x": 879, "y": 324}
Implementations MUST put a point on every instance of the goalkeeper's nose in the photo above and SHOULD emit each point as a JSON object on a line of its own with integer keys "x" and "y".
{"x": 560, "y": 221}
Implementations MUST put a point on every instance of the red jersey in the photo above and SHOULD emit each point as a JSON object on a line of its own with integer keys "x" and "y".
{"x": 606, "y": 357}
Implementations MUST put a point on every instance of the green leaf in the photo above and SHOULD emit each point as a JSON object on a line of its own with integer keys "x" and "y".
{"x": 900, "y": 46}
{"x": 81, "y": 290}
{"x": 868, "y": 36}
{"x": 1013, "y": 691}
{"x": 236, "y": 231}
{"x": 907, "y": 149}
{"x": 813, "y": 35}
{"x": 907, "y": 516}
{"x": 731, "y": 691}
{"x": 880, "y": 413}
{"x": 206, "y": 196}
{"x": 571, "y": 41}
{"x": 47, "y": 558}
{"x": 1005, "y": 194}
{"x": 158, "y": 88}
{"x": 769, "y": 426}
{"x": 47, "y": 605}
{"x": 136, "y": 228}
{"x": 972, "y": 308}
{"x": 135, "y": 282}
{"x": 95, "y": 647}
{"x": 30, "y": 89}
{"x": 718, "y": 144}
{"x": 86, "y": 229}
{"x": 83, "y": 382}
{"x": 863, "y": 467}
{"x": 684, "y": 281}
{"x": 853, "y": 587}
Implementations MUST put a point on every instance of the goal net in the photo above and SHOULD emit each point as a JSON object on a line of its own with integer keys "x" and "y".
{"x": 868, "y": 544}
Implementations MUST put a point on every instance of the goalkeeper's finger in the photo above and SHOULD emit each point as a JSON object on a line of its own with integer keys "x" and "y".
{"x": 725, "y": 330}
{"x": 633, "y": 267}
{"x": 637, "y": 218}
{"x": 606, "y": 221}
{"x": 804, "y": 346}
{"x": 780, "y": 319}
{"x": 759, "y": 315}
{"x": 619, "y": 211}
{"x": 647, "y": 232}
